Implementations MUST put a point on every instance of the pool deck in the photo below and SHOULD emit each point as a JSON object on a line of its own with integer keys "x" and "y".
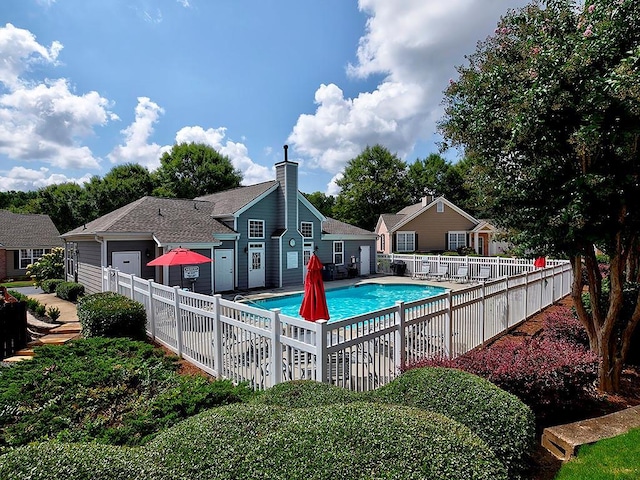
{"x": 347, "y": 282}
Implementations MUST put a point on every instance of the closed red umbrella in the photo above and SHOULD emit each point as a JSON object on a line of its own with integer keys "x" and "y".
{"x": 179, "y": 256}
{"x": 540, "y": 262}
{"x": 314, "y": 302}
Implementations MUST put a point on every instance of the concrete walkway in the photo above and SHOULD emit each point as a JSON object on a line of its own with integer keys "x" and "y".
{"x": 67, "y": 326}
{"x": 563, "y": 440}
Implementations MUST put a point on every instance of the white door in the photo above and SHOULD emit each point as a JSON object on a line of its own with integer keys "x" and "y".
{"x": 256, "y": 265}
{"x": 126, "y": 262}
{"x": 307, "y": 251}
{"x": 365, "y": 260}
{"x": 223, "y": 270}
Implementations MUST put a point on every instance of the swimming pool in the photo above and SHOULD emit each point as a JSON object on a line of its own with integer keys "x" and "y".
{"x": 346, "y": 302}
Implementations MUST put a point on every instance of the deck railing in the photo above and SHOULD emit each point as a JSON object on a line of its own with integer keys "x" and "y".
{"x": 263, "y": 347}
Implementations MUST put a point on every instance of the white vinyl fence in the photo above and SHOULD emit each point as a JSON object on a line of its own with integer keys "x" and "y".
{"x": 247, "y": 344}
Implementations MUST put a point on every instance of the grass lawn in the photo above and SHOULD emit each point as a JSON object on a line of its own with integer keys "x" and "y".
{"x": 614, "y": 458}
{"x": 22, "y": 283}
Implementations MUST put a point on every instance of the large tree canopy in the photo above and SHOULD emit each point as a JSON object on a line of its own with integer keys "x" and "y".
{"x": 192, "y": 169}
{"x": 374, "y": 182}
{"x": 550, "y": 103}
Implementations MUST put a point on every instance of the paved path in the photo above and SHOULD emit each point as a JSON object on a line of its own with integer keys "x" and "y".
{"x": 563, "y": 440}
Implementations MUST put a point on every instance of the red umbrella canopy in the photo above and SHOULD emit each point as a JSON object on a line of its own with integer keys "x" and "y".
{"x": 314, "y": 302}
{"x": 179, "y": 256}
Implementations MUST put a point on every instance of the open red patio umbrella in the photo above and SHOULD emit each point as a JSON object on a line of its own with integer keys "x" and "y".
{"x": 179, "y": 256}
{"x": 314, "y": 302}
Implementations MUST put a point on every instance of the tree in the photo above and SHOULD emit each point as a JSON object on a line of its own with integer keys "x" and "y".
{"x": 50, "y": 266}
{"x": 65, "y": 203}
{"x": 194, "y": 169}
{"x": 324, "y": 203}
{"x": 550, "y": 103}
{"x": 436, "y": 176}
{"x": 122, "y": 185}
{"x": 373, "y": 183}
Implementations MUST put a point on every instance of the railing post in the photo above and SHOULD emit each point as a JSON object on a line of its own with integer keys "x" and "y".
{"x": 483, "y": 312}
{"x": 176, "y": 304}
{"x": 400, "y": 350}
{"x": 322, "y": 360}
{"x": 151, "y": 314}
{"x": 526, "y": 294}
{"x": 217, "y": 336}
{"x": 132, "y": 294}
{"x": 506, "y": 301}
{"x": 448, "y": 326}
{"x": 276, "y": 345}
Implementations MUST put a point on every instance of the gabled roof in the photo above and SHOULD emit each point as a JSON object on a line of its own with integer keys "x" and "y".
{"x": 230, "y": 202}
{"x": 25, "y": 230}
{"x": 167, "y": 219}
{"x": 391, "y": 219}
{"x": 413, "y": 211}
{"x": 331, "y": 226}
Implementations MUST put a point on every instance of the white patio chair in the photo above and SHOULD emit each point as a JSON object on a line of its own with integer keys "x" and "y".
{"x": 483, "y": 275}
{"x": 462, "y": 275}
{"x": 442, "y": 272}
{"x": 425, "y": 271}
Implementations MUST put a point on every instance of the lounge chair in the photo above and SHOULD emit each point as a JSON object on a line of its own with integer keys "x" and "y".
{"x": 442, "y": 272}
{"x": 425, "y": 271}
{"x": 483, "y": 275}
{"x": 462, "y": 275}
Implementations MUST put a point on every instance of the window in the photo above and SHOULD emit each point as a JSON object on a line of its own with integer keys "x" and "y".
{"x": 457, "y": 240}
{"x": 405, "y": 241}
{"x": 29, "y": 256}
{"x": 256, "y": 228}
{"x": 440, "y": 207}
{"x": 306, "y": 229}
{"x": 338, "y": 253}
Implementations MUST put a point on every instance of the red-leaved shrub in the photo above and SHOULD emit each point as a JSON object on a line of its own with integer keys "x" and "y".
{"x": 562, "y": 325}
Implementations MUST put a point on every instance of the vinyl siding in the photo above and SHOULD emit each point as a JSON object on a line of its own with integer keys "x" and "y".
{"x": 432, "y": 228}
{"x": 89, "y": 268}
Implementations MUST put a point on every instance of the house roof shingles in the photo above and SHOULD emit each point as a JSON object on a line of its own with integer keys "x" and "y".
{"x": 229, "y": 202}
{"x": 336, "y": 227}
{"x": 20, "y": 230}
{"x": 168, "y": 219}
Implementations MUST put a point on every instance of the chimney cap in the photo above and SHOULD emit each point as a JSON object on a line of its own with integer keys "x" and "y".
{"x": 286, "y": 148}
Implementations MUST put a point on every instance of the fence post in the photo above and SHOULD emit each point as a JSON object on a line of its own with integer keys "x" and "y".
{"x": 526, "y": 294}
{"x": 132, "y": 294}
{"x": 448, "y": 325}
{"x": 483, "y": 311}
{"x": 322, "y": 368}
{"x": 217, "y": 336}
{"x": 151, "y": 314}
{"x": 276, "y": 345}
{"x": 400, "y": 351}
{"x": 506, "y": 292}
{"x": 176, "y": 305}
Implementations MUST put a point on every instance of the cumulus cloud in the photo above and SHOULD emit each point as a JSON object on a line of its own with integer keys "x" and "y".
{"x": 237, "y": 152}
{"x": 23, "y": 179}
{"x": 414, "y": 45}
{"x": 44, "y": 121}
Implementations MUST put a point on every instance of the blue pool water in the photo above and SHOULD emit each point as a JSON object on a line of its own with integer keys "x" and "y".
{"x": 352, "y": 301}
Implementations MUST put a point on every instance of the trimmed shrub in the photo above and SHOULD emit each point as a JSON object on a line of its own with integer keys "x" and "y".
{"x": 60, "y": 461}
{"x": 49, "y": 286}
{"x": 109, "y": 314}
{"x": 562, "y": 325}
{"x": 53, "y": 313}
{"x": 69, "y": 291}
{"x": 41, "y": 310}
{"x": 32, "y": 304}
{"x": 499, "y": 418}
{"x": 21, "y": 297}
{"x": 543, "y": 372}
{"x": 306, "y": 393}
{"x": 355, "y": 441}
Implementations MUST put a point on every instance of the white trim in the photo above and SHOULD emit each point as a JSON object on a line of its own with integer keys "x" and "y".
{"x": 406, "y": 233}
{"x": 346, "y": 238}
{"x": 264, "y": 226}
{"x": 308, "y": 223}
{"x": 440, "y": 206}
{"x": 333, "y": 252}
{"x": 457, "y": 232}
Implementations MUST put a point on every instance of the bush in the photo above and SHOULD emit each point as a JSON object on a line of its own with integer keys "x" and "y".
{"x": 562, "y": 325}
{"x": 497, "y": 417}
{"x": 50, "y": 265}
{"x": 355, "y": 441}
{"x": 69, "y": 291}
{"x": 21, "y": 297}
{"x": 306, "y": 393}
{"x": 49, "y": 286}
{"x": 41, "y": 310}
{"x": 53, "y": 313}
{"x": 32, "y": 304}
{"x": 110, "y": 314}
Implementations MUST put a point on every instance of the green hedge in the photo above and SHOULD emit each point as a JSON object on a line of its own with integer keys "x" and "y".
{"x": 110, "y": 314}
{"x": 49, "y": 286}
{"x": 355, "y": 441}
{"x": 69, "y": 291}
{"x": 505, "y": 423}
{"x": 306, "y": 393}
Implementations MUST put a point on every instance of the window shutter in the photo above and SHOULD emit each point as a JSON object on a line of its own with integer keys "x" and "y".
{"x": 415, "y": 242}
{"x": 394, "y": 243}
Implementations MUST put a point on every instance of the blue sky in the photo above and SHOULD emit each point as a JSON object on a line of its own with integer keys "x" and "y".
{"x": 86, "y": 85}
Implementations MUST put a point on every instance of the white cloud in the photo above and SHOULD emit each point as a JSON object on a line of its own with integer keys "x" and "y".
{"x": 237, "y": 152}
{"x": 415, "y": 45}
{"x": 136, "y": 148}
{"x": 184, "y": 3}
{"x": 23, "y": 179}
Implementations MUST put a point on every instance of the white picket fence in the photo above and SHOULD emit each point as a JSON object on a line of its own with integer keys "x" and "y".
{"x": 247, "y": 344}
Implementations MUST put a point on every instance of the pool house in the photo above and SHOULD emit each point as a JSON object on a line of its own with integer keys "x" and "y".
{"x": 246, "y": 343}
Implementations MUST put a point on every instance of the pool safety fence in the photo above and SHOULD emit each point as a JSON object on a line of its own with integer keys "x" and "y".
{"x": 263, "y": 347}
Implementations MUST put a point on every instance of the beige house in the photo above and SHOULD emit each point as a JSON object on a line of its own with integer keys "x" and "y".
{"x": 435, "y": 225}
